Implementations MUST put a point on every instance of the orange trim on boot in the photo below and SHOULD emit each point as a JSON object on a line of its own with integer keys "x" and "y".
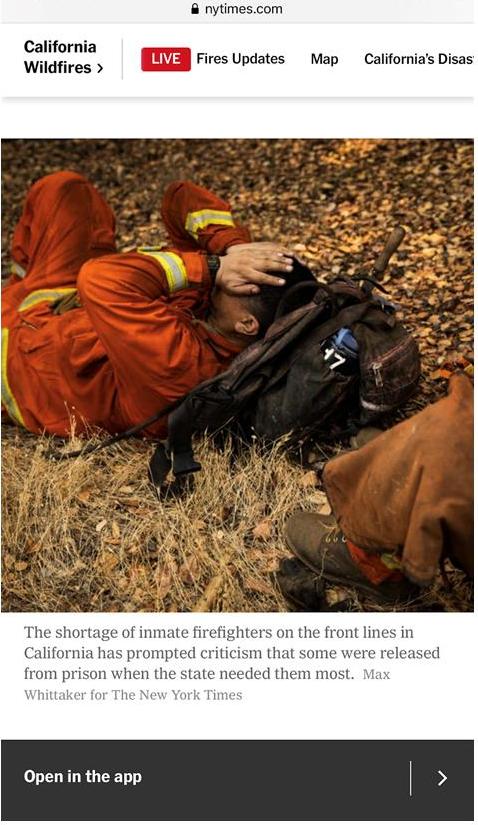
{"x": 372, "y": 566}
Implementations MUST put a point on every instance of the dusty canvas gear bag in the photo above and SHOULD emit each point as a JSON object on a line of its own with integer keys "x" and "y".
{"x": 282, "y": 385}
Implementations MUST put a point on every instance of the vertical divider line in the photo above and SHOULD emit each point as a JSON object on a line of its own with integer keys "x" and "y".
{"x": 410, "y": 779}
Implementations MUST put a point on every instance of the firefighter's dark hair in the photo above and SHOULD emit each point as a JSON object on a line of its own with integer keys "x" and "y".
{"x": 264, "y": 305}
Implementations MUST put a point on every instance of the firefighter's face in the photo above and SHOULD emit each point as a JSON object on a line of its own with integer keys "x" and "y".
{"x": 231, "y": 316}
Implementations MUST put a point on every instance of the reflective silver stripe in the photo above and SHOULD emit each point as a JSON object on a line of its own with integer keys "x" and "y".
{"x": 40, "y": 295}
{"x": 195, "y": 221}
{"x": 369, "y": 405}
{"x": 172, "y": 264}
{"x": 16, "y": 269}
{"x": 8, "y": 399}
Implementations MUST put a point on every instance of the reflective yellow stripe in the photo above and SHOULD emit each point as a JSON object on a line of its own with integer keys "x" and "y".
{"x": 44, "y": 295}
{"x": 8, "y": 399}
{"x": 16, "y": 269}
{"x": 172, "y": 264}
{"x": 196, "y": 221}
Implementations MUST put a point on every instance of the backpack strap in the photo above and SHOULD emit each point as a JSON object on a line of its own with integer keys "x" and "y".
{"x": 159, "y": 468}
{"x": 302, "y": 287}
{"x": 177, "y": 453}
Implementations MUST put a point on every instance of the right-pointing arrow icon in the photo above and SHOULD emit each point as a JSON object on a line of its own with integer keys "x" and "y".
{"x": 443, "y": 778}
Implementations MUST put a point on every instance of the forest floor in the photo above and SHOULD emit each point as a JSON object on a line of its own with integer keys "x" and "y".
{"x": 90, "y": 534}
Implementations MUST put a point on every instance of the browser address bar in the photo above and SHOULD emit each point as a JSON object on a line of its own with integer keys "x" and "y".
{"x": 250, "y": 11}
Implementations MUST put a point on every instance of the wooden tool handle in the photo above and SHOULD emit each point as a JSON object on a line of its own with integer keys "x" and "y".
{"x": 393, "y": 242}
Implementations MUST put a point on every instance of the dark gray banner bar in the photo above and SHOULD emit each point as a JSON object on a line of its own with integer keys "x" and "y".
{"x": 260, "y": 780}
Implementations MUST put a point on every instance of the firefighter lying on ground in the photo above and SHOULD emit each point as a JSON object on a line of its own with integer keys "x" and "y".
{"x": 147, "y": 325}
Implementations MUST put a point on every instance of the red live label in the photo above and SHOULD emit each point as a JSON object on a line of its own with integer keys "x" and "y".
{"x": 165, "y": 59}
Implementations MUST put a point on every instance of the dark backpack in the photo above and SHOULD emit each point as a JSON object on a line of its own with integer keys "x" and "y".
{"x": 283, "y": 385}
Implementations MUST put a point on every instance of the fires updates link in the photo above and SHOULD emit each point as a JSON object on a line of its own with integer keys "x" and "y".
{"x": 38, "y": 64}
{"x": 241, "y": 59}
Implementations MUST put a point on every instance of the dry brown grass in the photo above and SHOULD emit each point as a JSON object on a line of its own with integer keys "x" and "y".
{"x": 91, "y": 535}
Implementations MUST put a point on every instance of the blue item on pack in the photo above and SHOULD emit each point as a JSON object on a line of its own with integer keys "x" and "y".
{"x": 341, "y": 351}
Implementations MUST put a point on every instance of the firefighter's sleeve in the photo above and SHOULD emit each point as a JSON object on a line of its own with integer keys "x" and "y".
{"x": 152, "y": 346}
{"x": 197, "y": 217}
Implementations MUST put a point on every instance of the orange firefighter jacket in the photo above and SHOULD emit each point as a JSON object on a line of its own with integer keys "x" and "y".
{"x": 138, "y": 341}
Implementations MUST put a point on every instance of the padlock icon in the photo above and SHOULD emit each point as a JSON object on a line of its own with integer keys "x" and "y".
{"x": 194, "y": 8}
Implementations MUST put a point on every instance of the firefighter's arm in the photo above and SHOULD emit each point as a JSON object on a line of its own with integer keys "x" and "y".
{"x": 196, "y": 218}
{"x": 152, "y": 347}
{"x": 199, "y": 217}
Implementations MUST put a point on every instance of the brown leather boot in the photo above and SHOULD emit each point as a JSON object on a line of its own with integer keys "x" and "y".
{"x": 319, "y": 543}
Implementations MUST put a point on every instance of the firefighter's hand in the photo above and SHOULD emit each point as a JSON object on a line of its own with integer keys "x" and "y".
{"x": 247, "y": 267}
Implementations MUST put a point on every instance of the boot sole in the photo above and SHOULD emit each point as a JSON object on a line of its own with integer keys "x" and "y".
{"x": 379, "y": 597}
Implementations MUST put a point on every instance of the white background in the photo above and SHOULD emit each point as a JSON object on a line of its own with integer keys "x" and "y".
{"x": 422, "y": 700}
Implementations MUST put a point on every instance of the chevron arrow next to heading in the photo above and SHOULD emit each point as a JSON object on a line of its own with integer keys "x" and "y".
{"x": 443, "y": 778}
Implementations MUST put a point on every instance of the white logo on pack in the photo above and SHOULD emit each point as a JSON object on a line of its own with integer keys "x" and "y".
{"x": 339, "y": 359}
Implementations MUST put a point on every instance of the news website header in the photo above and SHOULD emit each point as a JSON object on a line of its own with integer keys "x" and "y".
{"x": 182, "y": 60}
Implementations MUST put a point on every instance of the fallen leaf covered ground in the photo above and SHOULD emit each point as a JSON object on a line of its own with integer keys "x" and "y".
{"x": 90, "y": 534}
